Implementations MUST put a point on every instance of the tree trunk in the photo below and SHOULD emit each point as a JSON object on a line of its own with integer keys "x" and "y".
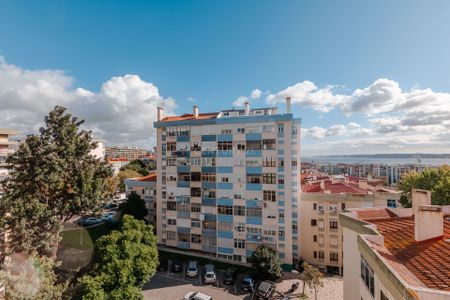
{"x": 315, "y": 292}
{"x": 54, "y": 250}
{"x": 303, "y": 291}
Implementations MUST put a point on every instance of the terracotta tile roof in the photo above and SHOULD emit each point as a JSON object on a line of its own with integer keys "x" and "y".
{"x": 117, "y": 159}
{"x": 150, "y": 177}
{"x": 374, "y": 213}
{"x": 186, "y": 117}
{"x": 425, "y": 263}
{"x": 311, "y": 188}
{"x": 342, "y": 188}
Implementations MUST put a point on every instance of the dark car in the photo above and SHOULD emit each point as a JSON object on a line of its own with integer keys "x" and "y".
{"x": 247, "y": 283}
{"x": 229, "y": 276}
{"x": 265, "y": 290}
{"x": 163, "y": 264}
{"x": 176, "y": 267}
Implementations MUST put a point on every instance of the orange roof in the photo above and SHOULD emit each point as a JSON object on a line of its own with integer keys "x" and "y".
{"x": 423, "y": 264}
{"x": 150, "y": 177}
{"x": 117, "y": 159}
{"x": 186, "y": 117}
{"x": 332, "y": 188}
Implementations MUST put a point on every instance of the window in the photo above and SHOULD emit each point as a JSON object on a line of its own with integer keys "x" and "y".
{"x": 196, "y": 161}
{"x": 313, "y": 222}
{"x": 171, "y": 146}
{"x": 333, "y": 207}
{"x": 281, "y": 232}
{"x": 254, "y": 230}
{"x": 239, "y": 227}
{"x": 171, "y": 161}
{"x": 172, "y": 221}
{"x": 269, "y": 144}
{"x": 240, "y": 244}
{"x": 208, "y": 161}
{"x": 171, "y": 235}
{"x": 367, "y": 276}
{"x": 333, "y": 224}
{"x": 240, "y": 145}
{"x": 281, "y": 215}
{"x": 183, "y": 207}
{"x": 239, "y": 210}
{"x": 270, "y": 232}
{"x": 195, "y": 176}
{"x": 196, "y": 207}
{"x": 342, "y": 206}
{"x": 227, "y": 145}
{"x": 196, "y": 192}
{"x": 391, "y": 203}
{"x": 253, "y": 179}
{"x": 280, "y": 180}
{"x": 253, "y": 145}
{"x": 195, "y": 223}
{"x": 223, "y": 226}
{"x": 209, "y": 177}
{"x": 171, "y": 205}
{"x": 226, "y": 131}
{"x": 269, "y": 178}
{"x": 315, "y": 254}
{"x": 225, "y": 179}
{"x": 269, "y": 162}
{"x": 241, "y": 130}
{"x": 294, "y": 227}
{"x": 224, "y": 210}
{"x": 237, "y": 257}
{"x": 314, "y": 238}
{"x": 334, "y": 256}
{"x": 271, "y": 217}
{"x": 315, "y": 206}
{"x": 280, "y": 128}
{"x": 225, "y": 256}
{"x": 195, "y": 146}
{"x": 281, "y": 162}
{"x": 254, "y": 212}
{"x": 321, "y": 255}
{"x": 196, "y": 238}
{"x": 269, "y": 196}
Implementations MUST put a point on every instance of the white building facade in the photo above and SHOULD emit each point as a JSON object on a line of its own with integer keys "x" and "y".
{"x": 229, "y": 181}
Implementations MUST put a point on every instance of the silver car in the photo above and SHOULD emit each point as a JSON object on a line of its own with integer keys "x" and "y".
{"x": 210, "y": 274}
{"x": 192, "y": 269}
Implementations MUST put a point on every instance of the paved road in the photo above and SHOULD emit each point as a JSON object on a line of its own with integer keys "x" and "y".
{"x": 162, "y": 287}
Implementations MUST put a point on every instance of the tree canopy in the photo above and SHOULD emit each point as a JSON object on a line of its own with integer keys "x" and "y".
{"x": 126, "y": 259}
{"x": 266, "y": 262}
{"x": 53, "y": 177}
{"x": 137, "y": 166}
{"x": 312, "y": 277}
{"x": 435, "y": 180}
{"x": 134, "y": 206}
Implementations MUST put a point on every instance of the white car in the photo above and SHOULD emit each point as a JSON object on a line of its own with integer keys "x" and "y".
{"x": 210, "y": 274}
{"x": 192, "y": 269}
{"x": 196, "y": 296}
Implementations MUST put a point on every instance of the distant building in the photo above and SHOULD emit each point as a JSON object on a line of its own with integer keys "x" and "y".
{"x": 146, "y": 188}
{"x": 125, "y": 152}
{"x": 99, "y": 152}
{"x": 7, "y": 147}
{"x": 397, "y": 253}
{"x": 117, "y": 163}
{"x": 228, "y": 182}
{"x": 323, "y": 198}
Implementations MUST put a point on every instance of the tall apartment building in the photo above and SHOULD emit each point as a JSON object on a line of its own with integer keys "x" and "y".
{"x": 125, "y": 152}
{"x": 397, "y": 253}
{"x": 7, "y": 147}
{"x": 323, "y": 198}
{"x": 228, "y": 181}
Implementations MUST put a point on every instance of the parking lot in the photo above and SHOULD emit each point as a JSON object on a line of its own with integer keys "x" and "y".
{"x": 169, "y": 285}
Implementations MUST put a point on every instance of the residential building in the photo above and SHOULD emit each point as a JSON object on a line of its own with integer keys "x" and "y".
{"x": 228, "y": 181}
{"x": 7, "y": 147}
{"x": 397, "y": 253}
{"x": 125, "y": 152}
{"x": 323, "y": 198}
{"x": 117, "y": 163}
{"x": 146, "y": 188}
{"x": 99, "y": 152}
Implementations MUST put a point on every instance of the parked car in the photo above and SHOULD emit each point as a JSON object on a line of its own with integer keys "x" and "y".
{"x": 196, "y": 296}
{"x": 92, "y": 221}
{"x": 247, "y": 283}
{"x": 108, "y": 216}
{"x": 176, "y": 266}
{"x": 265, "y": 290}
{"x": 163, "y": 264}
{"x": 229, "y": 276}
{"x": 210, "y": 273}
{"x": 192, "y": 269}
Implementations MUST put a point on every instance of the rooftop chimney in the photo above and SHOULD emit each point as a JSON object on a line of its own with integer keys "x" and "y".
{"x": 247, "y": 108}
{"x": 288, "y": 105}
{"x": 195, "y": 111}
{"x": 428, "y": 219}
{"x": 159, "y": 114}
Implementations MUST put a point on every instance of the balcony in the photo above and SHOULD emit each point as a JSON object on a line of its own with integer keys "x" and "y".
{"x": 184, "y": 245}
{"x": 183, "y": 184}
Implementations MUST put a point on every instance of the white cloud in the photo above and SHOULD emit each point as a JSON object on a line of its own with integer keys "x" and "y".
{"x": 239, "y": 102}
{"x": 256, "y": 93}
{"x": 122, "y": 112}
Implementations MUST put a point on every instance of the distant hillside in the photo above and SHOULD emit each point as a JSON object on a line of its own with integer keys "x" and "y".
{"x": 396, "y": 155}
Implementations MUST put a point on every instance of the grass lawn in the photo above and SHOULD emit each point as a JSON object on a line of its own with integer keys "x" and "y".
{"x": 76, "y": 248}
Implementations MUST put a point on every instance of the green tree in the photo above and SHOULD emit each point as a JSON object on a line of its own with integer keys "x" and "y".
{"x": 126, "y": 259}
{"x": 125, "y": 174}
{"x": 31, "y": 277}
{"x": 266, "y": 263}
{"x": 435, "y": 180}
{"x": 134, "y": 206}
{"x": 136, "y": 165}
{"x": 312, "y": 277}
{"x": 53, "y": 178}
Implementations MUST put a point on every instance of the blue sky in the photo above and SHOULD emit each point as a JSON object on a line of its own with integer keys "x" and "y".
{"x": 210, "y": 53}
